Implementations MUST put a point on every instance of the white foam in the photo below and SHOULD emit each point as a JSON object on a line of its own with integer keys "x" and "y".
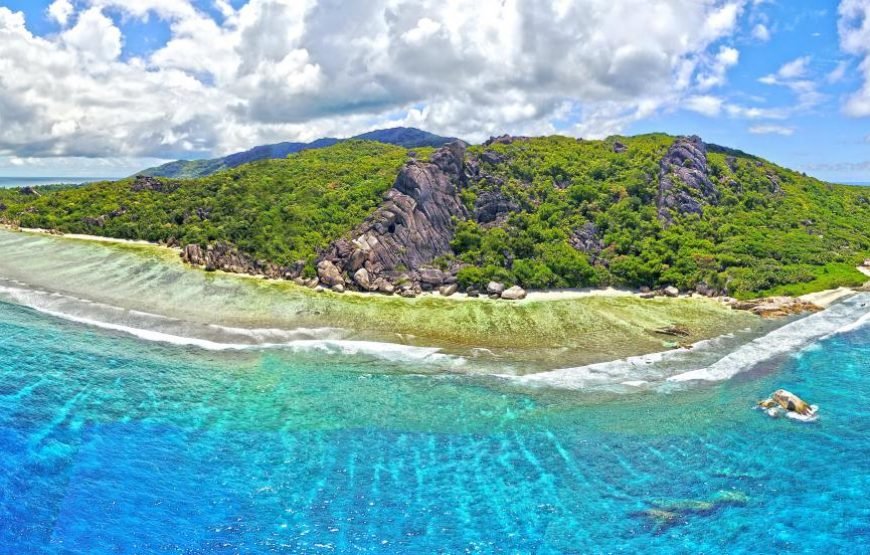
{"x": 671, "y": 368}
{"x": 324, "y": 340}
{"x": 789, "y": 339}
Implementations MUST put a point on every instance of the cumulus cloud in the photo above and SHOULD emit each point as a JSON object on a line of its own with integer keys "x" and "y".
{"x": 854, "y": 29}
{"x": 299, "y": 69}
{"x": 771, "y": 130}
{"x": 794, "y": 76}
{"x": 60, "y": 11}
{"x": 704, "y": 104}
{"x": 761, "y": 32}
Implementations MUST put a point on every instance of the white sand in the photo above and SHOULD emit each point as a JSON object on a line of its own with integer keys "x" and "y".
{"x": 821, "y": 298}
{"x": 825, "y": 299}
{"x": 82, "y": 237}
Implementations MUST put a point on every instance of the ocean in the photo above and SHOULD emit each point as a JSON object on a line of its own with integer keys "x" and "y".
{"x": 120, "y": 434}
{"x": 9, "y": 182}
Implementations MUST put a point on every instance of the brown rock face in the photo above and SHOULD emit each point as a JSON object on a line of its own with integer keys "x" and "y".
{"x": 791, "y": 402}
{"x": 415, "y": 224}
{"x": 684, "y": 185}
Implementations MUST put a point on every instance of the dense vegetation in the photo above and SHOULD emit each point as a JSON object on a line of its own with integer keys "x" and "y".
{"x": 773, "y": 230}
{"x": 185, "y": 169}
{"x": 275, "y": 210}
{"x": 586, "y": 215}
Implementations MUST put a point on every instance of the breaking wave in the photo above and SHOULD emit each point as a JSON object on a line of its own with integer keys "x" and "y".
{"x": 212, "y": 337}
{"x": 714, "y": 360}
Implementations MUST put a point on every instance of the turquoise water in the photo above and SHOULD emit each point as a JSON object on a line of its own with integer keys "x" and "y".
{"x": 111, "y": 444}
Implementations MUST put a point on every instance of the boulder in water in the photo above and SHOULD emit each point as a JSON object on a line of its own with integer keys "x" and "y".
{"x": 786, "y": 402}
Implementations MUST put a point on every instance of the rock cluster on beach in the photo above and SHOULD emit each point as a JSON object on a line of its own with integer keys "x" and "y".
{"x": 775, "y": 307}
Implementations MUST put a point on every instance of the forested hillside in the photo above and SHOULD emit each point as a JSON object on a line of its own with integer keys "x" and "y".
{"x": 650, "y": 210}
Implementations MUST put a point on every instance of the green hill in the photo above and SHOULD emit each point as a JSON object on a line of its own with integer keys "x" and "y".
{"x": 650, "y": 210}
{"x": 408, "y": 137}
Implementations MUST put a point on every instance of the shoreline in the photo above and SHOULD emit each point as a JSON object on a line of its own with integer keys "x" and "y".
{"x": 537, "y": 334}
{"x": 822, "y": 299}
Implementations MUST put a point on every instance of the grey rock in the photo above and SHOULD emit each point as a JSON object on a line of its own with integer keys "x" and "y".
{"x": 147, "y": 183}
{"x": 671, "y": 291}
{"x": 619, "y": 148}
{"x": 414, "y": 225}
{"x": 448, "y": 290}
{"x": 28, "y": 191}
{"x": 684, "y": 182}
{"x": 493, "y": 206}
{"x": 338, "y": 288}
{"x": 363, "y": 279}
{"x": 431, "y": 276}
{"x": 514, "y": 293}
{"x": 329, "y": 273}
{"x": 495, "y": 288}
{"x": 586, "y": 238}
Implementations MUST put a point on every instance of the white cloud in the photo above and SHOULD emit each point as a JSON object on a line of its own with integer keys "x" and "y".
{"x": 299, "y": 69}
{"x": 793, "y": 75}
{"x": 94, "y": 37}
{"x": 761, "y": 32}
{"x": 854, "y": 28}
{"x": 838, "y": 73}
{"x": 704, "y": 104}
{"x": 60, "y": 11}
{"x": 794, "y": 69}
{"x": 771, "y": 130}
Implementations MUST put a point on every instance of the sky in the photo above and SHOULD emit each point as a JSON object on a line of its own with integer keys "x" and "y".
{"x": 108, "y": 87}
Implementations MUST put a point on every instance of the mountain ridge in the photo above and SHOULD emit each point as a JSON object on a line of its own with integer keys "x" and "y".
{"x": 408, "y": 137}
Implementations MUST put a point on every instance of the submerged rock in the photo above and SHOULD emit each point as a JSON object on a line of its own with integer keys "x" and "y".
{"x": 668, "y": 512}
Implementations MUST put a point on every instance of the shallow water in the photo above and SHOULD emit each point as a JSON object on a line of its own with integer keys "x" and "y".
{"x": 146, "y": 289}
{"x": 114, "y": 445}
{"x": 310, "y": 440}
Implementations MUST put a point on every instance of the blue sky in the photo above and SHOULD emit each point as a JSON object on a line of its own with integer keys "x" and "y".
{"x": 106, "y": 87}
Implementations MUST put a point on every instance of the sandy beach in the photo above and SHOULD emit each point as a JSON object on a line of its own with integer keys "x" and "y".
{"x": 823, "y": 299}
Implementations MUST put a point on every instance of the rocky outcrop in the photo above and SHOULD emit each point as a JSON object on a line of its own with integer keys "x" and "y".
{"x": 587, "y": 239}
{"x": 783, "y": 401}
{"x": 775, "y": 307}
{"x": 618, "y": 147}
{"x": 101, "y": 220}
{"x": 225, "y": 257}
{"x": 684, "y": 182}
{"x": 147, "y": 183}
{"x": 492, "y": 207}
{"x": 28, "y": 191}
{"x": 411, "y": 229}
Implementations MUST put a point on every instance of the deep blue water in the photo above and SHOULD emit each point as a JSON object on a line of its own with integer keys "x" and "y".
{"x": 113, "y": 445}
